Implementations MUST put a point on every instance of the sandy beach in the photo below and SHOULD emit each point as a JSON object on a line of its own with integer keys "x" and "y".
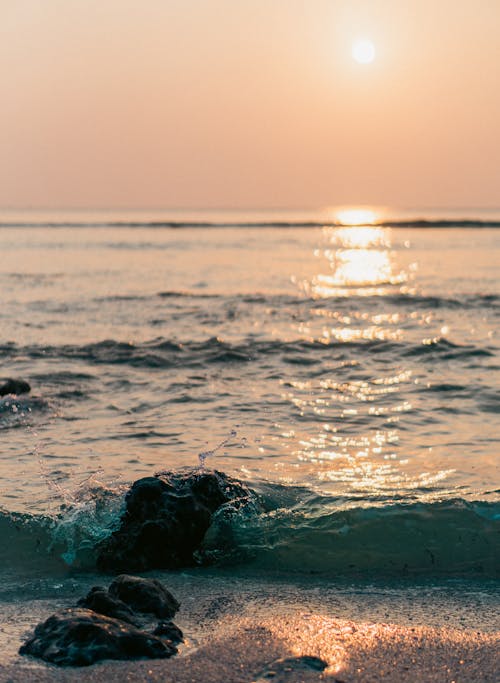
{"x": 279, "y": 649}
{"x": 244, "y": 629}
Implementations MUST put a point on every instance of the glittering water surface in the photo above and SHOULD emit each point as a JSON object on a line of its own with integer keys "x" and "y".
{"x": 359, "y": 362}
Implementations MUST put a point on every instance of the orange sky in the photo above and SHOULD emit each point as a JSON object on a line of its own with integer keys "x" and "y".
{"x": 249, "y": 103}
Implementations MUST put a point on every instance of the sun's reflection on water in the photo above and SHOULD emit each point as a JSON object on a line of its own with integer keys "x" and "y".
{"x": 360, "y": 263}
{"x": 357, "y": 463}
{"x": 350, "y": 411}
{"x": 359, "y": 237}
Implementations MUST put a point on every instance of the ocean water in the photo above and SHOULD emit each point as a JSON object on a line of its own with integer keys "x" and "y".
{"x": 348, "y": 373}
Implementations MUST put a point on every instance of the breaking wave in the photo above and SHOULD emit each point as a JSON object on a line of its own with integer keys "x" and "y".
{"x": 299, "y": 532}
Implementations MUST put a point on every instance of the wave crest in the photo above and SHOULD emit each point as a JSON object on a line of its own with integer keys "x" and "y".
{"x": 300, "y": 532}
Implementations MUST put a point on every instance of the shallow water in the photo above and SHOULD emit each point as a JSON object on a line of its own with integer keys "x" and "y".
{"x": 357, "y": 367}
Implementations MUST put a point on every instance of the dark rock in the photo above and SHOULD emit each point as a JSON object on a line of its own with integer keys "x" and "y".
{"x": 144, "y": 595}
{"x": 166, "y": 519}
{"x": 14, "y": 386}
{"x": 79, "y": 637}
{"x": 99, "y": 600}
{"x": 170, "y": 631}
{"x": 282, "y": 670}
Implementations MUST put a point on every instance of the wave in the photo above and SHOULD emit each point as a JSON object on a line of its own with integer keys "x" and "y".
{"x": 448, "y": 537}
{"x": 169, "y": 294}
{"x": 472, "y": 301}
{"x": 446, "y": 350}
{"x": 164, "y": 353}
{"x": 300, "y": 532}
{"x": 390, "y": 223}
{"x": 467, "y": 301}
{"x": 53, "y": 542}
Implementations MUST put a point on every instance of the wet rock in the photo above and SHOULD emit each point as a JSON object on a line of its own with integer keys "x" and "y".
{"x": 79, "y": 637}
{"x": 14, "y": 386}
{"x": 282, "y": 670}
{"x": 170, "y": 631}
{"x": 99, "y": 600}
{"x": 166, "y": 519}
{"x": 144, "y": 595}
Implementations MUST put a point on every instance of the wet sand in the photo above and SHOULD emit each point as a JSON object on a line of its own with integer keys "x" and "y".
{"x": 274, "y": 649}
{"x": 247, "y": 630}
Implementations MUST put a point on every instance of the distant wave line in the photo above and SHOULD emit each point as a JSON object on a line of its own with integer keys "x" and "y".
{"x": 391, "y": 223}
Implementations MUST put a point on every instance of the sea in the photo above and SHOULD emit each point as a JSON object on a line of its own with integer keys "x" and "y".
{"x": 342, "y": 362}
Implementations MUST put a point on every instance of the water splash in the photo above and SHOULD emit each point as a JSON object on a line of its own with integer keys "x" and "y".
{"x": 85, "y": 512}
{"x": 58, "y": 492}
{"x": 14, "y": 411}
{"x": 86, "y": 522}
{"x": 207, "y": 454}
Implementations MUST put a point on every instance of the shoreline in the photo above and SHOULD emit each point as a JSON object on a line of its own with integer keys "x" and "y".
{"x": 243, "y": 628}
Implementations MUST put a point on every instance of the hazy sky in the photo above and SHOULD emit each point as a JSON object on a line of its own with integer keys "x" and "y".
{"x": 241, "y": 103}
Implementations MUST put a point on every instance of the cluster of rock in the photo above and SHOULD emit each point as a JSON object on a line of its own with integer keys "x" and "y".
{"x": 163, "y": 527}
{"x": 116, "y": 623}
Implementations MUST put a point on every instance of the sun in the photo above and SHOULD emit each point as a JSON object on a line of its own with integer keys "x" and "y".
{"x": 363, "y": 51}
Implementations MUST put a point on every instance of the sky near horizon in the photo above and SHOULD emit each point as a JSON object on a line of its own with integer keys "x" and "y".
{"x": 249, "y": 103}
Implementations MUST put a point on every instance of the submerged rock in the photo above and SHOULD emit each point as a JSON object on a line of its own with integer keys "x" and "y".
{"x": 14, "y": 386}
{"x": 79, "y": 637}
{"x": 144, "y": 595}
{"x": 166, "y": 519}
{"x": 283, "y": 670}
